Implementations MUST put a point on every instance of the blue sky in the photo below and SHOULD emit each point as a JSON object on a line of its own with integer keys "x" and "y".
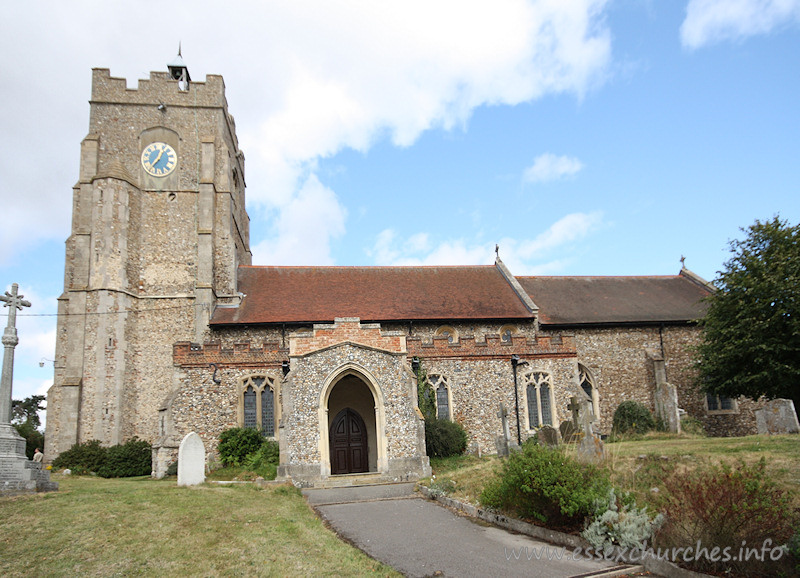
{"x": 585, "y": 137}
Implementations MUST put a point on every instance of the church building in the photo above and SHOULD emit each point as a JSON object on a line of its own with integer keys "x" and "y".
{"x": 166, "y": 328}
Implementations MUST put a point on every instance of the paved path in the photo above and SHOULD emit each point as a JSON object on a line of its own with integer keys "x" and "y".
{"x": 420, "y": 538}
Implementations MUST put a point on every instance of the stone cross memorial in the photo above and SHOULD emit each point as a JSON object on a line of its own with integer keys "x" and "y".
{"x": 503, "y": 440}
{"x": 590, "y": 448}
{"x": 18, "y": 474}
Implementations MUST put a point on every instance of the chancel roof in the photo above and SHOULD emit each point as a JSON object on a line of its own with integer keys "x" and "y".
{"x": 617, "y": 300}
{"x": 320, "y": 294}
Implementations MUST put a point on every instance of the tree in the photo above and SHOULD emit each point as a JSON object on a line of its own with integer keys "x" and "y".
{"x": 751, "y": 337}
{"x": 27, "y": 410}
{"x": 25, "y": 418}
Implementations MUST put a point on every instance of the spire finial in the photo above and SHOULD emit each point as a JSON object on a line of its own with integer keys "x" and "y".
{"x": 683, "y": 262}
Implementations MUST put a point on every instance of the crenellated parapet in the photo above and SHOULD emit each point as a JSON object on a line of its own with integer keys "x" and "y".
{"x": 493, "y": 347}
{"x": 242, "y": 354}
{"x": 160, "y": 88}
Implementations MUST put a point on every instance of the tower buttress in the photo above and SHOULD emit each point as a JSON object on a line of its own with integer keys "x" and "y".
{"x": 158, "y": 228}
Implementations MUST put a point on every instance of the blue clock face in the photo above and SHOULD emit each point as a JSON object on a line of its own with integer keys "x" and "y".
{"x": 159, "y": 159}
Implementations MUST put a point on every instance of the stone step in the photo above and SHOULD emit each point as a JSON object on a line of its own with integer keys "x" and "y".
{"x": 351, "y": 480}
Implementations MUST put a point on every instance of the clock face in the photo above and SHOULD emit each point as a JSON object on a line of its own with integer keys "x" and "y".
{"x": 159, "y": 159}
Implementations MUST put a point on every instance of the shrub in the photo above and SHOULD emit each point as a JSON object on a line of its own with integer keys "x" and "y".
{"x": 633, "y": 417}
{"x": 444, "y": 438}
{"x": 172, "y": 469}
{"x": 82, "y": 458}
{"x": 692, "y": 426}
{"x": 235, "y": 444}
{"x": 545, "y": 485}
{"x": 133, "y": 458}
{"x": 264, "y": 461}
{"x": 727, "y": 507}
{"x": 620, "y": 524}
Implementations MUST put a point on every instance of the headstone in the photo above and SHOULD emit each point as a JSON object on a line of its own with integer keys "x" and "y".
{"x": 502, "y": 440}
{"x": 18, "y": 474}
{"x": 475, "y": 450}
{"x": 666, "y": 395}
{"x": 575, "y": 407}
{"x": 590, "y": 448}
{"x": 777, "y": 417}
{"x": 548, "y": 436}
{"x": 191, "y": 461}
{"x": 569, "y": 433}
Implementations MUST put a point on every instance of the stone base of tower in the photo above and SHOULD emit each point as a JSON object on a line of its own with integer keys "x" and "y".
{"x": 18, "y": 474}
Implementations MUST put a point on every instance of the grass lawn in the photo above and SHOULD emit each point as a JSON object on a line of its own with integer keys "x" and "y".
{"x": 139, "y": 526}
{"x": 639, "y": 465}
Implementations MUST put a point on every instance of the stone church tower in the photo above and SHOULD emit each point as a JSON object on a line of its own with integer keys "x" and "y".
{"x": 158, "y": 230}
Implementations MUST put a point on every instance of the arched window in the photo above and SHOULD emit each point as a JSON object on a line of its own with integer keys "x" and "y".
{"x": 258, "y": 403}
{"x": 587, "y": 385}
{"x": 507, "y": 332}
{"x": 449, "y": 332}
{"x": 441, "y": 390}
{"x": 539, "y": 393}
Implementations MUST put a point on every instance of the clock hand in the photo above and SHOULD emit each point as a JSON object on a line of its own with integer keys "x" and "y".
{"x": 158, "y": 158}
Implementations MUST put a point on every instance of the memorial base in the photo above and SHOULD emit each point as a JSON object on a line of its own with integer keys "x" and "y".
{"x": 18, "y": 474}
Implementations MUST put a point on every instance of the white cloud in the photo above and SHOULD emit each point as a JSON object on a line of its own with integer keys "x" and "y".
{"x": 549, "y": 167}
{"x": 305, "y": 80}
{"x": 524, "y": 257}
{"x": 709, "y": 21}
{"x": 307, "y": 224}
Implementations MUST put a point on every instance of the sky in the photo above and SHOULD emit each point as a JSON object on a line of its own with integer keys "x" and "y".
{"x": 584, "y": 137}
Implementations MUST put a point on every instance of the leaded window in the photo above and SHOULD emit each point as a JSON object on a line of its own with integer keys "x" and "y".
{"x": 539, "y": 393}
{"x": 439, "y": 385}
{"x": 268, "y": 412}
{"x": 259, "y": 404}
{"x": 250, "y": 407}
{"x": 720, "y": 403}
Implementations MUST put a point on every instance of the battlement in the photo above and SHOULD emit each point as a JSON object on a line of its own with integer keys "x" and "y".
{"x": 494, "y": 346}
{"x": 186, "y": 354}
{"x": 160, "y": 88}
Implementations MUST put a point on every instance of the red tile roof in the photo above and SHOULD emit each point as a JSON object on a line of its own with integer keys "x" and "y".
{"x": 615, "y": 300}
{"x": 320, "y": 294}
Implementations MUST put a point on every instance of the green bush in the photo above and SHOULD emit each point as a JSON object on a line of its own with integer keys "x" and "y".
{"x": 692, "y": 426}
{"x": 545, "y": 485}
{"x": 235, "y": 444}
{"x": 444, "y": 438}
{"x": 264, "y": 461}
{"x": 82, "y": 458}
{"x": 133, "y": 458}
{"x": 172, "y": 469}
{"x": 726, "y": 507}
{"x": 633, "y": 417}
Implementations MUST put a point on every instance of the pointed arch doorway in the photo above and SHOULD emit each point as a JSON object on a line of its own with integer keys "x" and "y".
{"x": 351, "y": 412}
{"x": 348, "y": 440}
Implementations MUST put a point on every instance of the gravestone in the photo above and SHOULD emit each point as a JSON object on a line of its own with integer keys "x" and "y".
{"x": 569, "y": 433}
{"x": 777, "y": 417}
{"x": 503, "y": 440}
{"x": 18, "y": 474}
{"x": 666, "y": 395}
{"x": 191, "y": 461}
{"x": 590, "y": 448}
{"x": 548, "y": 436}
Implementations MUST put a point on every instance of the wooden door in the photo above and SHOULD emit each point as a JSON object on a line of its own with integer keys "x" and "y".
{"x": 348, "y": 441}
